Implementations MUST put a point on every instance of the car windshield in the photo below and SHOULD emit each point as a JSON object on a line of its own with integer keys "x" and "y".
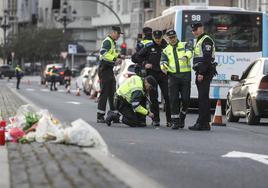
{"x": 266, "y": 67}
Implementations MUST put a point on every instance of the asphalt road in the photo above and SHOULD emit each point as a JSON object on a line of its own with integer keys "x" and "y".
{"x": 174, "y": 158}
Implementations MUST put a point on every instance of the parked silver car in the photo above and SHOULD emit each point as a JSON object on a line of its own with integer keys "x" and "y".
{"x": 249, "y": 97}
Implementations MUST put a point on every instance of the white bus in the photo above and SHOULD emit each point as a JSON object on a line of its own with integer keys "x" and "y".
{"x": 240, "y": 36}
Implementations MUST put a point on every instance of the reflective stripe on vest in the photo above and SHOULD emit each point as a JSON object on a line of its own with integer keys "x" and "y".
{"x": 171, "y": 64}
{"x": 198, "y": 52}
{"x": 146, "y": 41}
{"x": 111, "y": 54}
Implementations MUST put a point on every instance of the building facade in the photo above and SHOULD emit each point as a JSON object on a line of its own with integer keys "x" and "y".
{"x": 105, "y": 19}
{"x": 84, "y": 33}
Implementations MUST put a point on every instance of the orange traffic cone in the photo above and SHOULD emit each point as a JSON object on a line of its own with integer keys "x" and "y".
{"x": 217, "y": 119}
{"x": 78, "y": 92}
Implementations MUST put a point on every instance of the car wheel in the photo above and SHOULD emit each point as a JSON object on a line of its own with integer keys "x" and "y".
{"x": 229, "y": 112}
{"x": 251, "y": 117}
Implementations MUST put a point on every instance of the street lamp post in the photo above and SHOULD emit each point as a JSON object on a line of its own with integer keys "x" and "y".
{"x": 5, "y": 25}
{"x": 66, "y": 15}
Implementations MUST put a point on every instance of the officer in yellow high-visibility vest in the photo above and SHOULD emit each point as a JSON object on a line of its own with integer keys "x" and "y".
{"x": 19, "y": 74}
{"x": 175, "y": 62}
{"x": 146, "y": 41}
{"x": 129, "y": 98}
{"x": 53, "y": 74}
{"x": 204, "y": 56}
{"x": 146, "y": 38}
{"x": 108, "y": 56}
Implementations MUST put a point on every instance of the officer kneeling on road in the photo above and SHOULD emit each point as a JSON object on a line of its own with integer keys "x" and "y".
{"x": 128, "y": 100}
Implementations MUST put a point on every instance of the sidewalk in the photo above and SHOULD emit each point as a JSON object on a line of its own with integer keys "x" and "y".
{"x": 50, "y": 165}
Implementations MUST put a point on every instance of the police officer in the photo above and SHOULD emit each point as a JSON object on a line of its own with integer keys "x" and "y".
{"x": 53, "y": 74}
{"x": 128, "y": 101}
{"x": 151, "y": 55}
{"x": 108, "y": 57}
{"x": 146, "y": 40}
{"x": 204, "y": 51}
{"x": 175, "y": 61}
{"x": 19, "y": 74}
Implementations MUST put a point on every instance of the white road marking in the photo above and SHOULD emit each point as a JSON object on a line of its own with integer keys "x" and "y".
{"x": 178, "y": 152}
{"x": 30, "y": 89}
{"x": 73, "y": 102}
{"x": 45, "y": 90}
{"x": 256, "y": 157}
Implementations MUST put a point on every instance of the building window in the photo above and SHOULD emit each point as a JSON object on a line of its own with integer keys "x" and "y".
{"x": 125, "y": 7}
{"x": 148, "y": 4}
{"x": 111, "y": 4}
{"x": 118, "y": 5}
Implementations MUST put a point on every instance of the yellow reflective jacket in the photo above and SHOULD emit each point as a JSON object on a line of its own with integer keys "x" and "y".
{"x": 108, "y": 51}
{"x": 170, "y": 60}
{"x": 126, "y": 90}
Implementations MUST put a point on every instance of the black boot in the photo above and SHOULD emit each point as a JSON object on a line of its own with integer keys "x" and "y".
{"x": 111, "y": 116}
{"x": 182, "y": 120}
{"x": 175, "y": 123}
{"x": 200, "y": 127}
{"x": 100, "y": 118}
{"x": 116, "y": 118}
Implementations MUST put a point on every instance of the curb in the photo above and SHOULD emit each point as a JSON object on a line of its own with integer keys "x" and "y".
{"x": 4, "y": 168}
{"x": 124, "y": 172}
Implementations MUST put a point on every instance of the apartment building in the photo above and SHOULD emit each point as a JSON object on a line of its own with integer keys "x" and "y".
{"x": 105, "y": 18}
{"x": 81, "y": 26}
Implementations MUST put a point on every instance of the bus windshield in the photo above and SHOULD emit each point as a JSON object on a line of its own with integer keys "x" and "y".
{"x": 231, "y": 31}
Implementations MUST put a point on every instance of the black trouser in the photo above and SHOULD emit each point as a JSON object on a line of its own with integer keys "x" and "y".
{"x": 162, "y": 81}
{"x": 67, "y": 83}
{"x": 130, "y": 117}
{"x": 203, "y": 101}
{"x": 53, "y": 83}
{"x": 107, "y": 92}
{"x": 179, "y": 96}
{"x": 18, "y": 82}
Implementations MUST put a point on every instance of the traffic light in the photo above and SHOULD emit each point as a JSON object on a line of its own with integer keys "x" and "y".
{"x": 123, "y": 48}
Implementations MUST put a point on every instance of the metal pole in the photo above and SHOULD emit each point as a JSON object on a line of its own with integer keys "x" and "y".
{"x": 4, "y": 28}
{"x": 72, "y": 61}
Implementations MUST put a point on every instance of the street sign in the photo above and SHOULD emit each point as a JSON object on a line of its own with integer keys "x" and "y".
{"x": 72, "y": 49}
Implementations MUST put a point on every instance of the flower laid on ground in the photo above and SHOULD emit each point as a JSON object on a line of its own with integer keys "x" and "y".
{"x": 31, "y": 119}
